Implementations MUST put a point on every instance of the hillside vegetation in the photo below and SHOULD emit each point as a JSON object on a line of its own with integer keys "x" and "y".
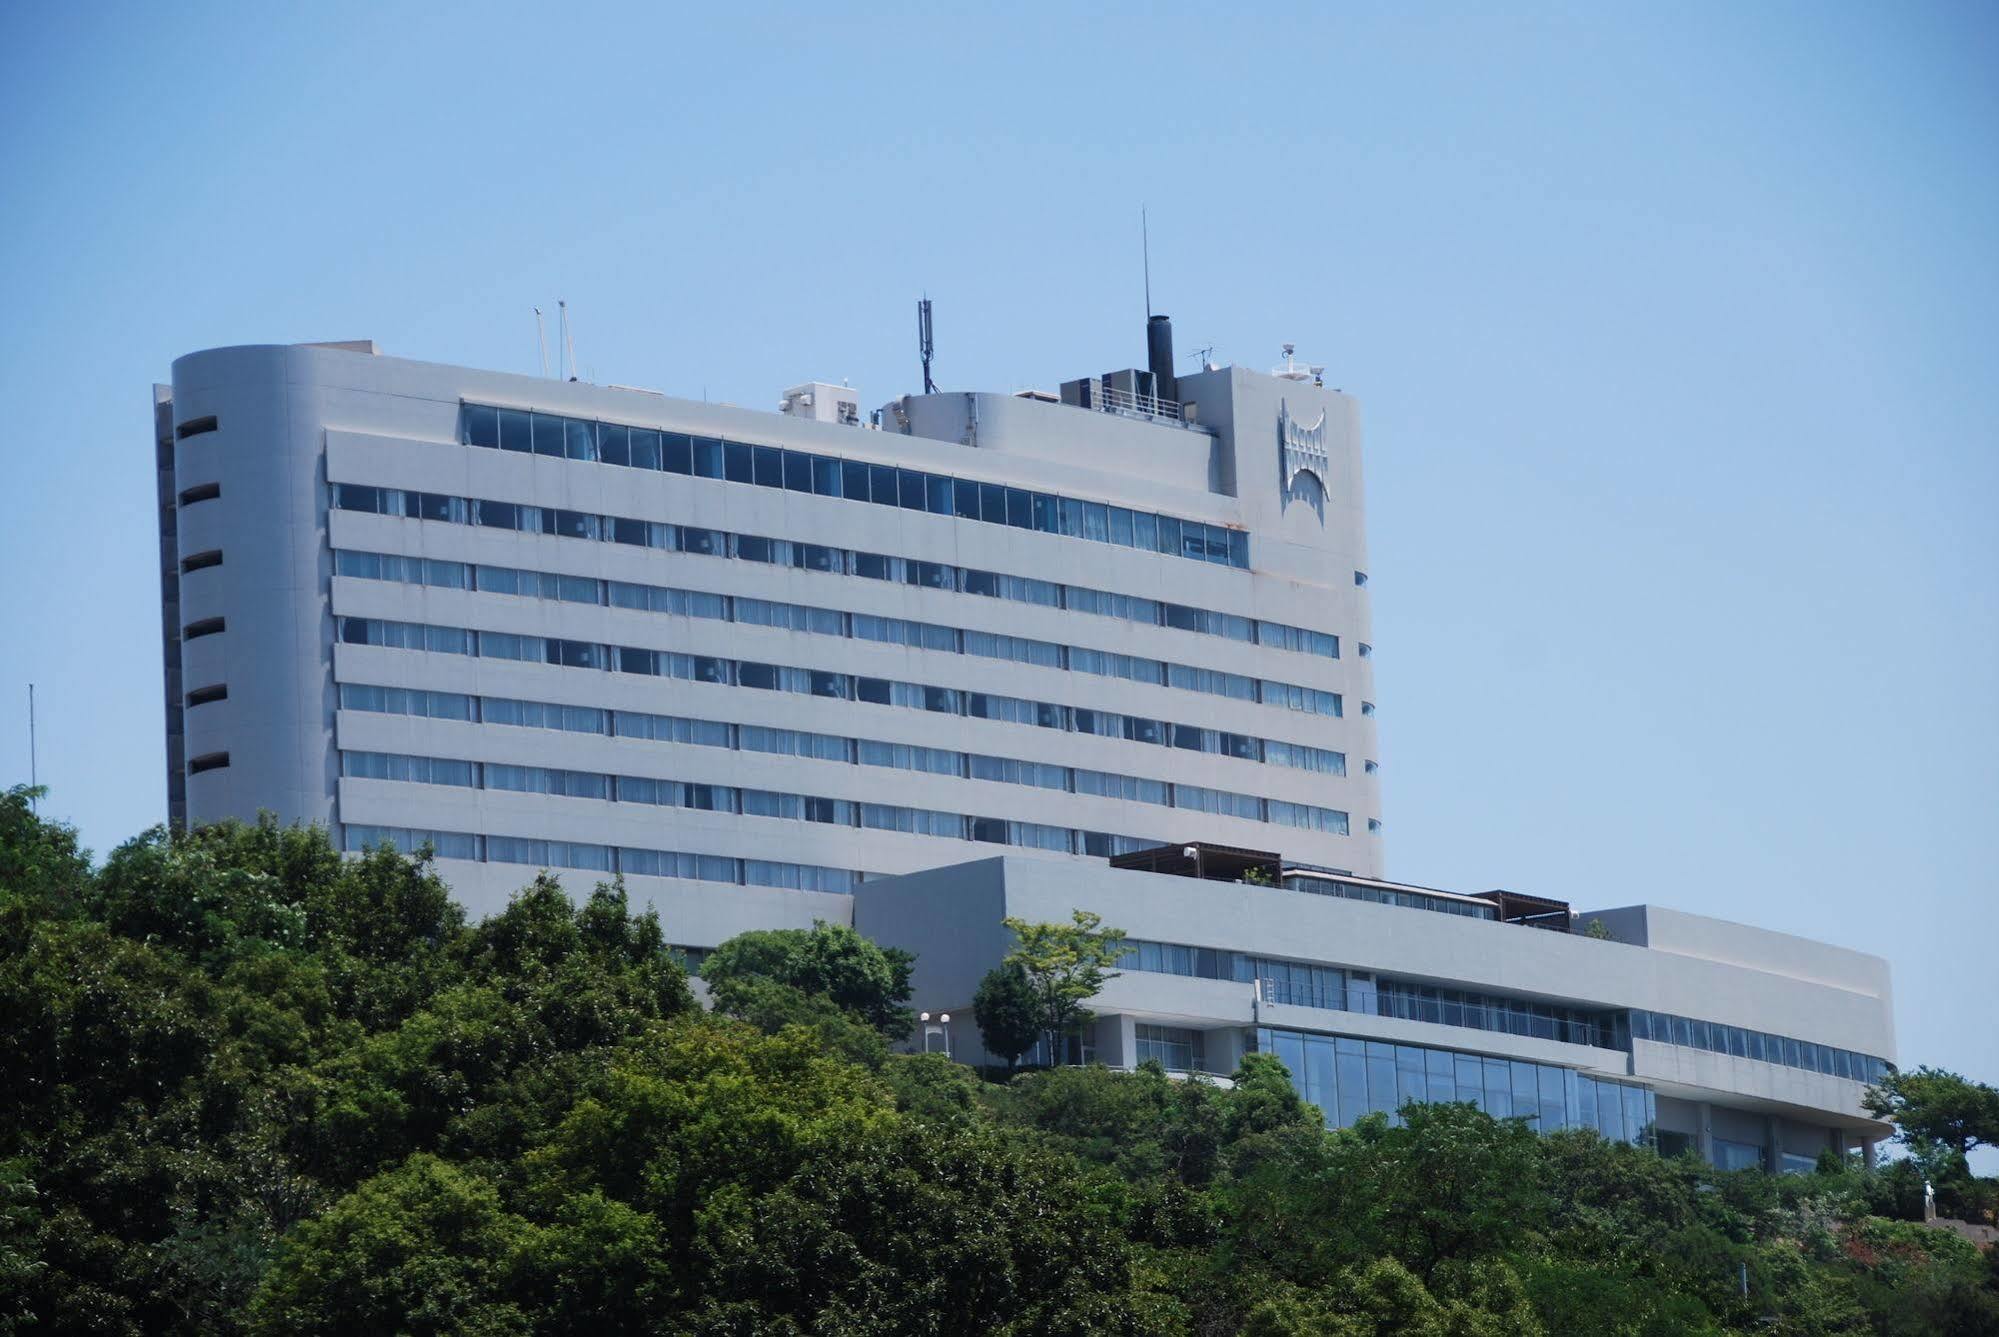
{"x": 254, "y": 1087}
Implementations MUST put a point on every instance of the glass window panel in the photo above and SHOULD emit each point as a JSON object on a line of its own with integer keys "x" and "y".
{"x": 965, "y": 499}
{"x": 1553, "y": 1103}
{"x": 910, "y": 489}
{"x": 1320, "y": 1085}
{"x": 1498, "y": 1088}
{"x": 854, "y": 480}
{"x": 1381, "y": 1096}
{"x": 644, "y": 447}
{"x": 1635, "y": 1119}
{"x": 579, "y": 439}
{"x": 1411, "y": 1082}
{"x": 825, "y": 475}
{"x": 1289, "y": 1046}
{"x": 1045, "y": 520}
{"x": 1350, "y": 1064}
{"x": 515, "y": 432}
{"x": 938, "y": 494}
{"x": 738, "y": 462}
{"x": 882, "y": 489}
{"x": 1121, "y": 532}
{"x": 1609, "y": 1112}
{"x": 992, "y": 503}
{"x": 796, "y": 470}
{"x": 548, "y": 434}
{"x": 1470, "y": 1079}
{"x": 482, "y": 426}
{"x": 1096, "y": 521}
{"x": 710, "y": 459}
{"x": 767, "y": 466}
{"x": 1169, "y": 534}
{"x": 1019, "y": 509}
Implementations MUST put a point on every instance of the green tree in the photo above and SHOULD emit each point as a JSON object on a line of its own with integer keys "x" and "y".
{"x": 41, "y": 866}
{"x": 770, "y": 1006}
{"x": 1929, "y": 1106}
{"x": 828, "y": 960}
{"x": 1007, "y": 1011}
{"x": 426, "y": 1248}
{"x": 1066, "y": 965}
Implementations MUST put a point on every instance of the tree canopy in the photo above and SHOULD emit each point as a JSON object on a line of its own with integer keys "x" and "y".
{"x": 1007, "y": 1011}
{"x": 829, "y": 961}
{"x": 1065, "y": 965}
{"x": 261, "y": 1088}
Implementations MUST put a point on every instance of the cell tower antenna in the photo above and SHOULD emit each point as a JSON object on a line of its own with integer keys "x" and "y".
{"x": 1145, "y": 248}
{"x": 568, "y": 343}
{"x": 540, "y": 341}
{"x": 926, "y": 344}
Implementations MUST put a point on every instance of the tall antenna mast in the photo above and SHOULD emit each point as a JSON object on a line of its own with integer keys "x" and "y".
{"x": 568, "y": 343}
{"x": 925, "y": 343}
{"x": 540, "y": 341}
{"x": 1145, "y": 246}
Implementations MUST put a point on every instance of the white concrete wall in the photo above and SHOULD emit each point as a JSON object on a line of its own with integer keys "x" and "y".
{"x": 947, "y": 914}
{"x": 293, "y": 419}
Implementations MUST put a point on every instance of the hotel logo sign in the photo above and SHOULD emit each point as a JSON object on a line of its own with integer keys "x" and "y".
{"x": 1303, "y": 448}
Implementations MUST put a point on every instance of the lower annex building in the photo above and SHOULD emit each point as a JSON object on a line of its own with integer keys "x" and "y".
{"x": 774, "y": 668}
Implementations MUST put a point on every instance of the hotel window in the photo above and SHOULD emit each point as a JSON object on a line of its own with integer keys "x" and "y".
{"x": 1177, "y": 1049}
{"x": 886, "y": 485}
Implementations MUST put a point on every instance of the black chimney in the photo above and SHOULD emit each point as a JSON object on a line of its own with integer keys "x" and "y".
{"x": 1159, "y": 357}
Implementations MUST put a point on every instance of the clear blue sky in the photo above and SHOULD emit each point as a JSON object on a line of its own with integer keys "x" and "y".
{"x": 1673, "y": 331}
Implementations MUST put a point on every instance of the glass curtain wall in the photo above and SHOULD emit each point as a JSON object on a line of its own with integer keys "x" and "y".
{"x": 1347, "y": 1078}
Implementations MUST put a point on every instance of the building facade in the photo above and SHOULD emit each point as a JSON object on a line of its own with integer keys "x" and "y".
{"x": 821, "y": 664}
{"x": 1749, "y": 1047}
{"x": 748, "y": 659}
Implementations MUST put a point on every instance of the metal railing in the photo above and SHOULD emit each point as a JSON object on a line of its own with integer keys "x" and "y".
{"x": 1113, "y": 400}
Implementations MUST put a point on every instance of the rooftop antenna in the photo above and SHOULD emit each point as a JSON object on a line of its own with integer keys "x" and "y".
{"x": 925, "y": 343}
{"x": 568, "y": 342}
{"x": 1145, "y": 248}
{"x": 34, "y": 770}
{"x": 540, "y": 341}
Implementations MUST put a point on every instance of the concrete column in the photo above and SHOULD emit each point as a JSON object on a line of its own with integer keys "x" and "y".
{"x": 1773, "y": 1144}
{"x": 1117, "y": 1041}
{"x": 1867, "y": 1153}
{"x": 1222, "y": 1049}
{"x": 1704, "y": 1130}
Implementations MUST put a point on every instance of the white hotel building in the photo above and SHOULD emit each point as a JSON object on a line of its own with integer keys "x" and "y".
{"x": 762, "y": 664}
